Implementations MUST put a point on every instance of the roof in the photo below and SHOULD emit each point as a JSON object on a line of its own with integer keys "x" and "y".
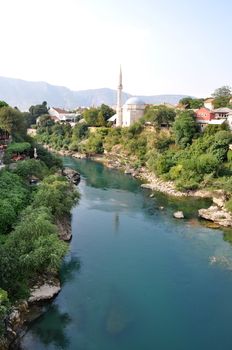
{"x": 61, "y": 111}
{"x": 113, "y": 118}
{"x": 135, "y": 101}
{"x": 223, "y": 110}
{"x": 217, "y": 121}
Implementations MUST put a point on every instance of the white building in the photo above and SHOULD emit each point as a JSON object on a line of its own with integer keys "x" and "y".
{"x": 222, "y": 112}
{"x": 131, "y": 111}
{"x": 61, "y": 115}
{"x": 229, "y": 120}
{"x": 208, "y": 103}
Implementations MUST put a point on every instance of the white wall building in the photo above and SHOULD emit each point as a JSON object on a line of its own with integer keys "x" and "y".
{"x": 132, "y": 111}
{"x": 61, "y": 115}
{"x": 208, "y": 103}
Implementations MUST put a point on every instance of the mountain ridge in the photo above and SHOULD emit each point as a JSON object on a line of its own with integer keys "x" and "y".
{"x": 23, "y": 94}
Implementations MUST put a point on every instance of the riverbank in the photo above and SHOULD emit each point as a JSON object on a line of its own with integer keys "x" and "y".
{"x": 132, "y": 265}
{"x": 216, "y": 213}
{"x": 43, "y": 230}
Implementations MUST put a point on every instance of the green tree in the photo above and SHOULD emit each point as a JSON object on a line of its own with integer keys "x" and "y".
{"x": 38, "y": 110}
{"x": 185, "y": 128}
{"x": 224, "y": 91}
{"x": 3, "y": 104}
{"x": 13, "y": 121}
{"x": 222, "y": 96}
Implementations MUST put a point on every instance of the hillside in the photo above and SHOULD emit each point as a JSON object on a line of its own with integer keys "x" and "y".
{"x": 23, "y": 94}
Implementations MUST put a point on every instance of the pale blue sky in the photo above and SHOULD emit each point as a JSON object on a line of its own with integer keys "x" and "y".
{"x": 164, "y": 46}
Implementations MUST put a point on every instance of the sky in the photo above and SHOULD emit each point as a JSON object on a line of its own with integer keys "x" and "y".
{"x": 164, "y": 46}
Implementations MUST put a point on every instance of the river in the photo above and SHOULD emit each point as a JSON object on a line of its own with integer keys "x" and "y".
{"x": 136, "y": 278}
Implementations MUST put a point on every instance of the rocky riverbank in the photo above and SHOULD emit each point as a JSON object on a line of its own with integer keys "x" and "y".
{"x": 45, "y": 288}
{"x": 115, "y": 160}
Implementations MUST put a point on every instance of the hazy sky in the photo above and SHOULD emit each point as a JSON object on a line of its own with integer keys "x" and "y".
{"x": 164, "y": 46}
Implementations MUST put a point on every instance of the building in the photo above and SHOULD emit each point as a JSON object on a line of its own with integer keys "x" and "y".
{"x": 222, "y": 112}
{"x": 130, "y": 112}
{"x": 133, "y": 110}
{"x": 229, "y": 120}
{"x": 204, "y": 116}
{"x": 208, "y": 103}
{"x": 61, "y": 115}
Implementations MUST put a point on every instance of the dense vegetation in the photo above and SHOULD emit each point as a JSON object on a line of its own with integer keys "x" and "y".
{"x": 29, "y": 237}
{"x": 169, "y": 143}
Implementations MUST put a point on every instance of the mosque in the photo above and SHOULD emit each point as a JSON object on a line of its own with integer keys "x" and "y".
{"x": 131, "y": 111}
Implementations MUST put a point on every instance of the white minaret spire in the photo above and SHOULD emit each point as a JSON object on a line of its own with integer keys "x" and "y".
{"x": 119, "y": 99}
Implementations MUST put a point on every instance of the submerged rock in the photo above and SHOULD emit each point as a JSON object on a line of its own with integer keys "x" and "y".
{"x": 178, "y": 215}
{"x": 217, "y": 215}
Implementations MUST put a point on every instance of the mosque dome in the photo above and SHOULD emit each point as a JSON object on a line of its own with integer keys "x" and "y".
{"x": 135, "y": 101}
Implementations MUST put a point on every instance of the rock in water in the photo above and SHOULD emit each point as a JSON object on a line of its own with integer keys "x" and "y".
{"x": 45, "y": 292}
{"x": 217, "y": 215}
{"x": 72, "y": 175}
{"x": 179, "y": 215}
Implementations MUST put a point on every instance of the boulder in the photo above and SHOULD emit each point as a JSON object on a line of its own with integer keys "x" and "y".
{"x": 178, "y": 215}
{"x": 45, "y": 292}
{"x": 72, "y": 175}
{"x": 217, "y": 215}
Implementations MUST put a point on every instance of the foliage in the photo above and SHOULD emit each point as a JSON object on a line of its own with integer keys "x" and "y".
{"x": 224, "y": 91}
{"x": 191, "y": 103}
{"x": 4, "y": 305}
{"x": 45, "y": 120}
{"x": 98, "y": 116}
{"x": 32, "y": 248}
{"x": 31, "y": 167}
{"x": 159, "y": 116}
{"x": 185, "y": 128}
{"x": 3, "y": 104}
{"x": 56, "y": 194}
{"x": 14, "y": 196}
{"x": 37, "y": 111}
{"x": 18, "y": 147}
{"x": 13, "y": 121}
{"x": 222, "y": 96}
{"x": 221, "y": 101}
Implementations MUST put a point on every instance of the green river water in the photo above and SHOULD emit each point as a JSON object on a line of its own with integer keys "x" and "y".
{"x": 136, "y": 278}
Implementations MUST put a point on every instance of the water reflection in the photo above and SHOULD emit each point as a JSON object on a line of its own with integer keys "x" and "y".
{"x": 70, "y": 265}
{"x": 51, "y": 328}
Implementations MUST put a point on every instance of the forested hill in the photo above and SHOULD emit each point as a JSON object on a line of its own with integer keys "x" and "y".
{"x": 23, "y": 94}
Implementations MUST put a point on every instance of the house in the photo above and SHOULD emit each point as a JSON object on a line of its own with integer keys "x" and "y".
{"x": 61, "y": 115}
{"x": 204, "y": 116}
{"x": 208, "y": 103}
{"x": 222, "y": 112}
{"x": 229, "y": 120}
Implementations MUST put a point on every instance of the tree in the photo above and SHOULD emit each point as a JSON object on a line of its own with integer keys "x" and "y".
{"x": 185, "y": 128}
{"x": 3, "y": 104}
{"x": 224, "y": 91}
{"x": 222, "y": 96}
{"x": 191, "y": 103}
{"x": 106, "y": 111}
{"x": 159, "y": 116}
{"x": 186, "y": 102}
{"x": 13, "y": 122}
{"x": 37, "y": 111}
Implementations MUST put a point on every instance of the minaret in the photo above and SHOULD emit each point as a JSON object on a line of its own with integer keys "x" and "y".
{"x": 119, "y": 100}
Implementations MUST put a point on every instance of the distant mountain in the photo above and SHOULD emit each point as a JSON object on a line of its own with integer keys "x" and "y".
{"x": 23, "y": 94}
